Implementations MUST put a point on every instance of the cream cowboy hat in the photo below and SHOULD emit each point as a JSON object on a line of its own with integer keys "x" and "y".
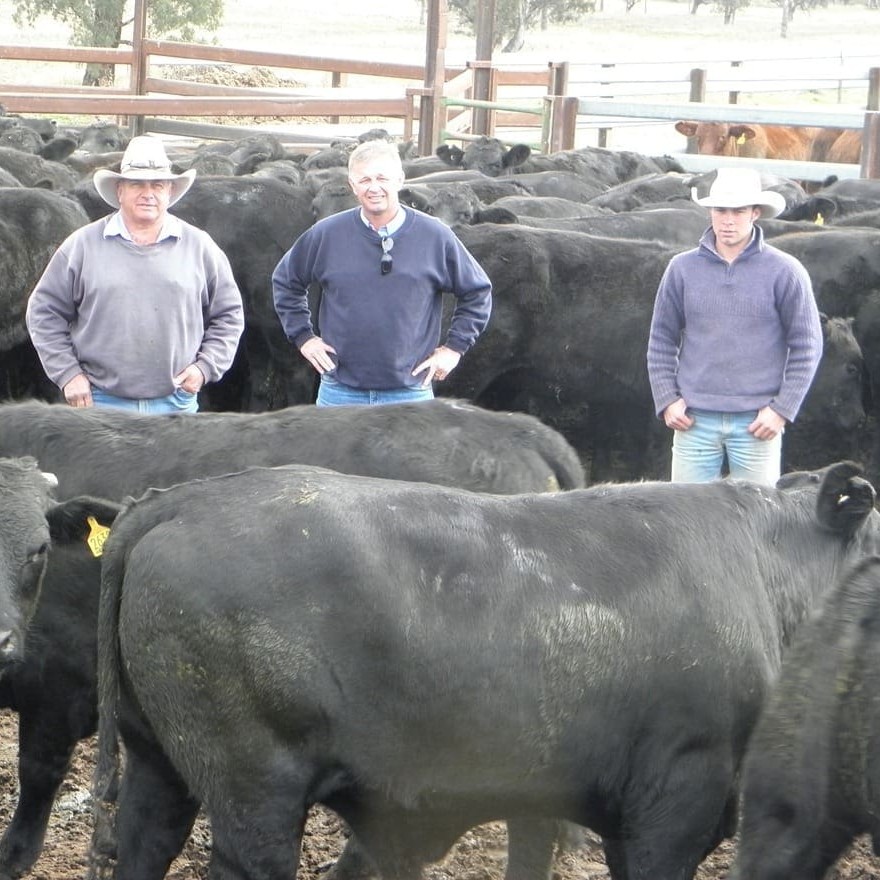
{"x": 144, "y": 159}
{"x": 738, "y": 187}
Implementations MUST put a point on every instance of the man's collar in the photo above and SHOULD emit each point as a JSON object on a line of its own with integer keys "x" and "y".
{"x": 171, "y": 227}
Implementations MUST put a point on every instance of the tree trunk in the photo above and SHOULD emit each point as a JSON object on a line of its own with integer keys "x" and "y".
{"x": 518, "y": 39}
{"x": 105, "y": 32}
{"x": 786, "y": 17}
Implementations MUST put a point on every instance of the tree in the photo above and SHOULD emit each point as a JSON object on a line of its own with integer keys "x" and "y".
{"x": 788, "y": 10}
{"x": 100, "y": 23}
{"x": 514, "y": 17}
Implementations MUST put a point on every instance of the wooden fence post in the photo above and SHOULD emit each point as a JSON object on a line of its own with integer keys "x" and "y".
{"x": 870, "y": 165}
{"x": 698, "y": 96}
{"x": 558, "y": 78}
{"x": 431, "y": 107}
{"x": 139, "y": 62}
{"x": 563, "y": 122}
{"x": 873, "y": 89}
{"x": 732, "y": 97}
{"x": 484, "y": 27}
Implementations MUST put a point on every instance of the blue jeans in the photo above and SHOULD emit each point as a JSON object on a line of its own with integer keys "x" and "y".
{"x": 333, "y": 393}
{"x": 698, "y": 453}
{"x": 176, "y": 402}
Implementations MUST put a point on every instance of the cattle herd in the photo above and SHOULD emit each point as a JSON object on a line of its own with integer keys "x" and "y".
{"x": 428, "y": 616}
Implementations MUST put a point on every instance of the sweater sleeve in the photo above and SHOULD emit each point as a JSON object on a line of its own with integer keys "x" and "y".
{"x": 473, "y": 299}
{"x": 664, "y": 340}
{"x": 290, "y": 282}
{"x": 803, "y": 331}
{"x": 224, "y": 317}
{"x": 51, "y": 310}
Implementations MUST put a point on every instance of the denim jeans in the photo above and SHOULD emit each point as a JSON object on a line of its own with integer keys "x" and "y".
{"x": 333, "y": 393}
{"x": 176, "y": 402}
{"x": 698, "y": 454}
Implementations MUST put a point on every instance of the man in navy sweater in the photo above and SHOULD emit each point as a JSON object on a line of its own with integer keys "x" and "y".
{"x": 735, "y": 340}
{"x": 382, "y": 270}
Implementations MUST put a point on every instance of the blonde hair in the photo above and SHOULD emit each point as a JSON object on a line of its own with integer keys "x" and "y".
{"x": 369, "y": 150}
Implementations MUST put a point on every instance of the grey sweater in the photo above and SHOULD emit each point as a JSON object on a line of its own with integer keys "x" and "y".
{"x": 133, "y": 317}
{"x": 734, "y": 337}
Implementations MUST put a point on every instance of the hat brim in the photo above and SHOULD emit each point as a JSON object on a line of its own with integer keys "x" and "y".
{"x": 105, "y": 183}
{"x": 771, "y": 203}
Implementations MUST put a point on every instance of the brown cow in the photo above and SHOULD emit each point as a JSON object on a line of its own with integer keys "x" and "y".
{"x": 838, "y": 145}
{"x": 750, "y": 141}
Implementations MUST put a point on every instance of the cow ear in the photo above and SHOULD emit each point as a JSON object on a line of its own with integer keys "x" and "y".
{"x": 516, "y": 155}
{"x": 449, "y": 154}
{"x": 495, "y": 215}
{"x": 688, "y": 129}
{"x": 746, "y": 132}
{"x": 413, "y": 199}
{"x": 69, "y": 520}
{"x": 845, "y": 498}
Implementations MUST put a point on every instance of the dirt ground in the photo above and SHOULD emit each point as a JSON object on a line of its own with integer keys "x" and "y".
{"x": 479, "y": 855}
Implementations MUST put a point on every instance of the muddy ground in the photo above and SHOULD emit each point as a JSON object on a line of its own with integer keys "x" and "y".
{"x": 477, "y": 856}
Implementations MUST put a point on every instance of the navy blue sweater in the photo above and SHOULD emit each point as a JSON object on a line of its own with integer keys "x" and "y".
{"x": 381, "y": 326}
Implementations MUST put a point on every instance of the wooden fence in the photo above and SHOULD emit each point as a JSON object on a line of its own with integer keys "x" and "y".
{"x": 535, "y": 99}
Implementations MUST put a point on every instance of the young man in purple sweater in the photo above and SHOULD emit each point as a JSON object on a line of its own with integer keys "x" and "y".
{"x": 735, "y": 340}
{"x": 382, "y": 270}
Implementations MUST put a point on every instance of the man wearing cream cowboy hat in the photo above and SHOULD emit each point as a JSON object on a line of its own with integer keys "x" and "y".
{"x": 137, "y": 310}
{"x": 735, "y": 339}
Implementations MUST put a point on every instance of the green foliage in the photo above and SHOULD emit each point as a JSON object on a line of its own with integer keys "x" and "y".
{"x": 514, "y": 16}
{"x": 100, "y": 22}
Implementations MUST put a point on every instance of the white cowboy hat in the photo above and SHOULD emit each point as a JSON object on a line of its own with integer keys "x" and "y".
{"x": 144, "y": 159}
{"x": 738, "y": 187}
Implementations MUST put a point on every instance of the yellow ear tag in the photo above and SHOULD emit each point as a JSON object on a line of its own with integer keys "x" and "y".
{"x": 820, "y": 220}
{"x": 97, "y": 536}
{"x": 741, "y": 139}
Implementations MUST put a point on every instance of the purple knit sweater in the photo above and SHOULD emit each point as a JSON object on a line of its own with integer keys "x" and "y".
{"x": 734, "y": 337}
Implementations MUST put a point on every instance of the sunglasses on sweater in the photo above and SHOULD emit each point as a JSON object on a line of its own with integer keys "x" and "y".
{"x": 385, "y": 261}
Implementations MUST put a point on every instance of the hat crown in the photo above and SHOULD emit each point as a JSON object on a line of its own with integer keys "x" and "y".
{"x": 144, "y": 153}
{"x": 738, "y": 184}
{"x": 738, "y": 188}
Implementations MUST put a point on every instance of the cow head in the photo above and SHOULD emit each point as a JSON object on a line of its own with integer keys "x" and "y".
{"x": 29, "y": 520}
{"x": 716, "y": 138}
{"x": 837, "y": 392}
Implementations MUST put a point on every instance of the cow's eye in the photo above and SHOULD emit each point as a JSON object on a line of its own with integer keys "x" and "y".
{"x": 37, "y": 556}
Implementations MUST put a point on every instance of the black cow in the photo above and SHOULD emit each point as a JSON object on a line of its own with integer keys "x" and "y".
{"x": 421, "y": 660}
{"x": 115, "y": 453}
{"x": 680, "y": 226}
{"x": 492, "y": 157}
{"x": 455, "y": 204}
{"x": 34, "y": 171}
{"x": 837, "y": 199}
{"x": 54, "y": 688}
{"x": 33, "y": 222}
{"x": 844, "y": 265}
{"x": 812, "y": 772}
{"x": 547, "y": 207}
{"x": 29, "y": 140}
{"x": 833, "y": 413}
{"x": 30, "y": 522}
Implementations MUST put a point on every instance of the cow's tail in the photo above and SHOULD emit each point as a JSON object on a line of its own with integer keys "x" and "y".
{"x": 564, "y": 462}
{"x": 106, "y": 776}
